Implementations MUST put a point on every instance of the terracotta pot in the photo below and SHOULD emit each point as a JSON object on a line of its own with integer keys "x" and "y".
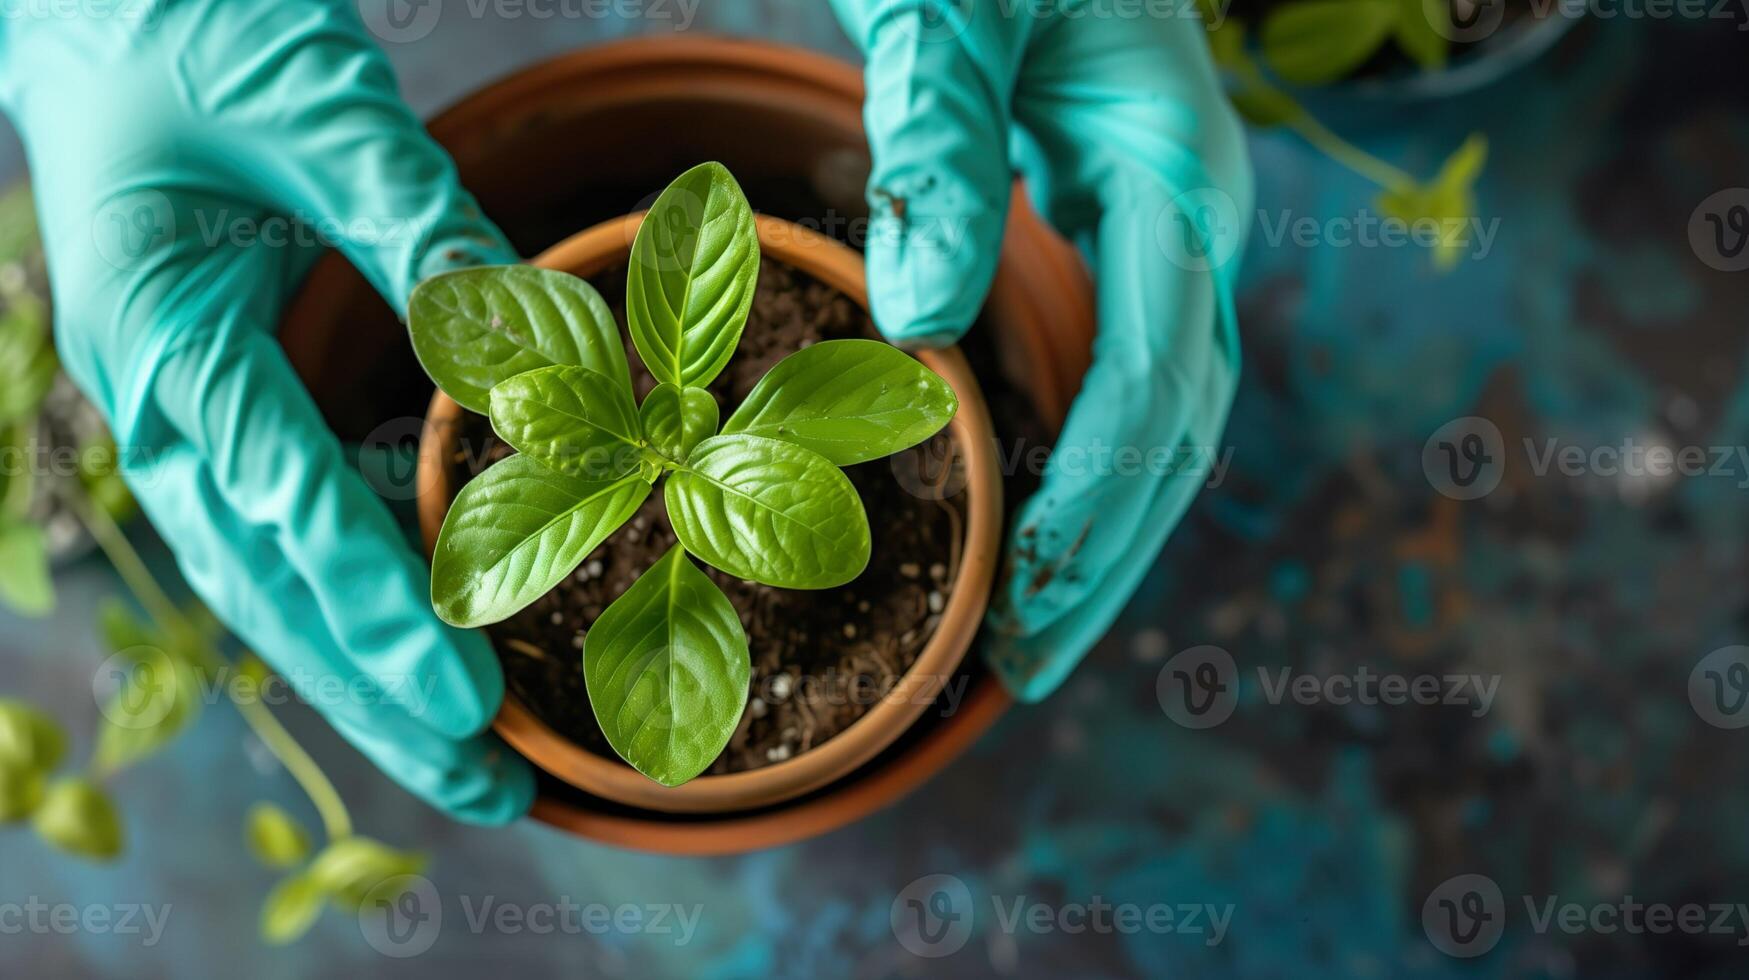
{"x": 606, "y": 247}
{"x": 627, "y": 117}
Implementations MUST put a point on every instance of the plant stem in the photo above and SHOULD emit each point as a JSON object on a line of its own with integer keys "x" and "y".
{"x": 139, "y": 580}
{"x": 336, "y": 822}
{"x": 1320, "y": 136}
{"x": 133, "y": 571}
{"x": 1349, "y": 155}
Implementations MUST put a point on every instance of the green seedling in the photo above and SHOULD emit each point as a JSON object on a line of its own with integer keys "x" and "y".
{"x": 164, "y": 664}
{"x": 760, "y": 496}
{"x": 1317, "y": 42}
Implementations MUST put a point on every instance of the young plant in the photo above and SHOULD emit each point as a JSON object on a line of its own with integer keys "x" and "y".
{"x": 166, "y": 662}
{"x": 1316, "y": 42}
{"x": 761, "y": 497}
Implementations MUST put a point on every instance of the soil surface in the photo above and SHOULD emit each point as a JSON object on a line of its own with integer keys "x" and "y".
{"x": 820, "y": 658}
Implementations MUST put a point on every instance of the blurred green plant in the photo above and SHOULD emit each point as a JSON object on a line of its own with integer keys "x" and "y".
{"x": 1317, "y": 42}
{"x": 166, "y": 662}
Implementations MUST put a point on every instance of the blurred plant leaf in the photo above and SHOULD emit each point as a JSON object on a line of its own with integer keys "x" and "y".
{"x": 1316, "y": 42}
{"x": 18, "y": 235}
{"x": 31, "y": 745}
{"x": 21, "y": 791}
{"x": 27, "y": 360}
{"x": 1416, "y": 35}
{"x": 159, "y": 697}
{"x": 274, "y": 837}
{"x": 77, "y": 816}
{"x": 348, "y": 869}
{"x": 1448, "y": 198}
{"x": 291, "y": 909}
{"x": 26, "y": 586}
{"x": 100, "y": 474}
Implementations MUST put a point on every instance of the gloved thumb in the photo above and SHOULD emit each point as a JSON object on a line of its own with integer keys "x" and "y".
{"x": 937, "y": 120}
{"x": 344, "y": 151}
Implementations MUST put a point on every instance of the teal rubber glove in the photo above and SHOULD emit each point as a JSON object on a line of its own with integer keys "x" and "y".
{"x": 1128, "y": 147}
{"x": 168, "y": 143}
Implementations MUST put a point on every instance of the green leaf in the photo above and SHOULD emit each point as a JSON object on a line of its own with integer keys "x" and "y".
{"x": 666, "y": 667}
{"x": 570, "y": 418}
{"x": 121, "y": 628}
{"x": 78, "y": 818}
{"x": 473, "y": 328}
{"x": 31, "y": 745}
{"x": 690, "y": 283}
{"x": 25, "y": 584}
{"x": 349, "y": 868}
{"x": 848, "y": 400}
{"x": 291, "y": 909}
{"x": 18, "y": 234}
{"x": 1226, "y": 41}
{"x": 769, "y": 511}
{"x": 21, "y": 791}
{"x": 274, "y": 837}
{"x": 676, "y": 419}
{"x": 1314, "y": 42}
{"x": 29, "y": 739}
{"x": 1264, "y": 105}
{"x": 27, "y": 361}
{"x": 100, "y": 474}
{"x": 517, "y": 530}
{"x": 158, "y": 699}
{"x": 1416, "y": 35}
{"x": 1449, "y": 197}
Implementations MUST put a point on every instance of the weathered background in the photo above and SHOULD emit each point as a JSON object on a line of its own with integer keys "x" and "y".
{"x": 1588, "y": 599}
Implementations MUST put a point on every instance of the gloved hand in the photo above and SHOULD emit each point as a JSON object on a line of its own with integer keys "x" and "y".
{"x": 1127, "y": 145}
{"x": 168, "y": 142}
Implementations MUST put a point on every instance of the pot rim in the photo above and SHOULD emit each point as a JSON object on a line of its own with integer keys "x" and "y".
{"x": 605, "y": 246}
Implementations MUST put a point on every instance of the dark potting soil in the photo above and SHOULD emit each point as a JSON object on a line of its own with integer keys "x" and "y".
{"x": 821, "y": 659}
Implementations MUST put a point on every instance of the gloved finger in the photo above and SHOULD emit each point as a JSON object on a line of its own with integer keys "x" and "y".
{"x": 938, "y": 77}
{"x": 326, "y": 127}
{"x": 1133, "y": 452}
{"x": 1131, "y": 150}
{"x": 226, "y": 389}
{"x": 475, "y": 779}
